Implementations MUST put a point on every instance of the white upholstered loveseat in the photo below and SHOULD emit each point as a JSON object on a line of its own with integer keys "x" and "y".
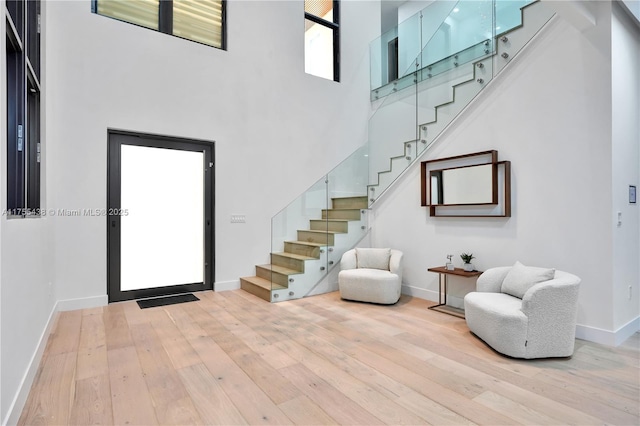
{"x": 371, "y": 275}
{"x": 525, "y": 312}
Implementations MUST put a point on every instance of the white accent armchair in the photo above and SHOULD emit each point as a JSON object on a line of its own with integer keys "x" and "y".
{"x": 371, "y": 275}
{"x": 525, "y": 312}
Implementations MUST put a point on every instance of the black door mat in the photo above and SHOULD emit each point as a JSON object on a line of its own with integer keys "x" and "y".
{"x": 166, "y": 300}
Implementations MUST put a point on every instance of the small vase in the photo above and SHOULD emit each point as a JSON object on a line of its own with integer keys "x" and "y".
{"x": 468, "y": 267}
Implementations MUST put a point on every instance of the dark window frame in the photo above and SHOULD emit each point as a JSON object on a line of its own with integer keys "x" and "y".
{"x": 335, "y": 29}
{"x": 165, "y": 21}
{"x": 23, "y": 58}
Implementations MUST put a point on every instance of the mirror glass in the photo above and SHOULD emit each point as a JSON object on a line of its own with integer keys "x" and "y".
{"x": 463, "y": 185}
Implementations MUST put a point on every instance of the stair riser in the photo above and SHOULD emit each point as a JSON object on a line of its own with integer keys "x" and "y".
{"x": 315, "y": 237}
{"x": 275, "y": 277}
{"x": 352, "y": 214}
{"x": 255, "y": 290}
{"x": 323, "y": 225}
{"x": 302, "y": 249}
{"x": 287, "y": 262}
{"x": 349, "y": 203}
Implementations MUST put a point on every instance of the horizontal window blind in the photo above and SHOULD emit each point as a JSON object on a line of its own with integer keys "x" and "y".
{"x": 198, "y": 20}
{"x": 140, "y": 12}
{"x": 201, "y": 21}
{"x": 319, "y": 8}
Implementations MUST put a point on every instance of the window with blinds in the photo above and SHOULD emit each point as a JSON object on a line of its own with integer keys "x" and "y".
{"x": 202, "y": 21}
{"x": 322, "y": 39}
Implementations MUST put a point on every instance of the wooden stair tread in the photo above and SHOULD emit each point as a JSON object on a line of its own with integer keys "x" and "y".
{"x": 333, "y": 220}
{"x": 321, "y": 232}
{"x": 295, "y": 256}
{"x": 261, "y": 282}
{"x": 306, "y": 243}
{"x": 353, "y": 197}
{"x": 349, "y": 202}
{"x": 279, "y": 269}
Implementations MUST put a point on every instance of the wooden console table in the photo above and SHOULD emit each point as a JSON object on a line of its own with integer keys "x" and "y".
{"x": 443, "y": 274}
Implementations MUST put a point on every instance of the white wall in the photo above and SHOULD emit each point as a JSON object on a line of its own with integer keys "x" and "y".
{"x": 27, "y": 300}
{"x": 277, "y": 131}
{"x": 550, "y": 114}
{"x": 625, "y": 52}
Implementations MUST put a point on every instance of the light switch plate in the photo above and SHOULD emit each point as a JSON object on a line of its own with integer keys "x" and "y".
{"x": 238, "y": 218}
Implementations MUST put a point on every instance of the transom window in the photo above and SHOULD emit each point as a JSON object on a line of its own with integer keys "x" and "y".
{"x": 202, "y": 21}
{"x": 322, "y": 38}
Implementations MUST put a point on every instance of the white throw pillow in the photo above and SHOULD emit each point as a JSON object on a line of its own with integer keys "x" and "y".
{"x": 521, "y": 278}
{"x": 373, "y": 258}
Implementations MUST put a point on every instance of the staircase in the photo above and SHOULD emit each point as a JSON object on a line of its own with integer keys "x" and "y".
{"x": 277, "y": 280}
{"x": 308, "y": 238}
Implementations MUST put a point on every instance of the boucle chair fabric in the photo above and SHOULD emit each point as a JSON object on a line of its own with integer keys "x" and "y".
{"x": 540, "y": 325}
{"x": 379, "y": 282}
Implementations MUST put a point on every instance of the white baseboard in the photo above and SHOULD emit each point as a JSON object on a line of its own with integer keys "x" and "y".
{"x": 608, "y": 337}
{"x": 25, "y": 385}
{"x": 421, "y": 293}
{"x": 17, "y": 405}
{"x": 226, "y": 285}
{"x": 592, "y": 334}
{"x": 82, "y": 303}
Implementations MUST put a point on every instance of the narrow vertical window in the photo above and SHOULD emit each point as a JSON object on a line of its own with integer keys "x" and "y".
{"x": 33, "y": 143}
{"x": 15, "y": 124}
{"x": 322, "y": 38}
{"x": 23, "y": 107}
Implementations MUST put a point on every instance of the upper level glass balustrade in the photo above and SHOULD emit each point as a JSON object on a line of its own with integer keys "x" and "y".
{"x": 393, "y": 54}
{"x": 439, "y": 31}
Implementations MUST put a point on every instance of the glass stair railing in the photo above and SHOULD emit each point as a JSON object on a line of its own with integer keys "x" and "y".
{"x": 464, "y": 45}
{"x": 468, "y": 49}
{"x": 310, "y": 235}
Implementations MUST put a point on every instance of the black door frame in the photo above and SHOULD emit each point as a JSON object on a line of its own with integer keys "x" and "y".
{"x": 115, "y": 140}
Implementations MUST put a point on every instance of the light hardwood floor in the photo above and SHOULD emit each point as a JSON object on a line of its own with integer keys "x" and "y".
{"x": 232, "y": 358}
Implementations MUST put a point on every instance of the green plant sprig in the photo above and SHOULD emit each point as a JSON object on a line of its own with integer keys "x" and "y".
{"x": 467, "y": 257}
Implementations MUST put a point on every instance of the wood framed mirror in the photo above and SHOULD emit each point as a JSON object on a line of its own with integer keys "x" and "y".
{"x": 470, "y": 185}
